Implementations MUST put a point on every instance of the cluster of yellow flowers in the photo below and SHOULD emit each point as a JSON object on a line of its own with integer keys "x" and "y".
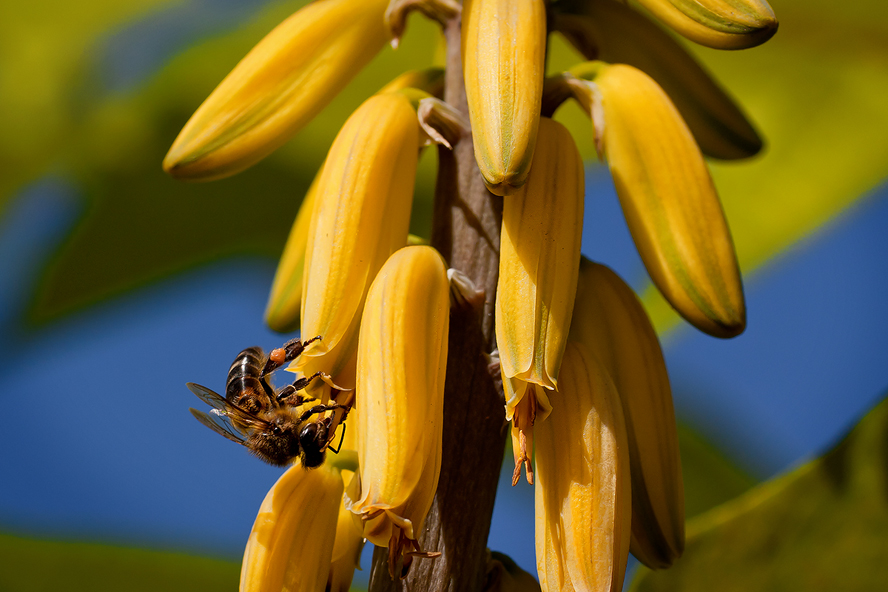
{"x": 581, "y": 366}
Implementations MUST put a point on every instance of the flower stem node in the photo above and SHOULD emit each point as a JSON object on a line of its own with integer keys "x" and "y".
{"x": 278, "y": 87}
{"x": 582, "y": 491}
{"x": 437, "y": 10}
{"x": 463, "y": 291}
{"x": 503, "y": 53}
{"x": 402, "y": 358}
{"x": 668, "y": 198}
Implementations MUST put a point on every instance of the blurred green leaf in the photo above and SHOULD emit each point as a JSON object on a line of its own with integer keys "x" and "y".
{"x": 44, "y": 49}
{"x": 822, "y": 526}
{"x": 90, "y": 566}
{"x": 710, "y": 478}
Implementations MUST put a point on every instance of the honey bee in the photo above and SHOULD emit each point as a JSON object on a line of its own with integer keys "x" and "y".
{"x": 266, "y": 421}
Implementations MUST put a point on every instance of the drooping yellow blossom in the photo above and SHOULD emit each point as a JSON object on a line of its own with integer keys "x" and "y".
{"x": 613, "y": 32}
{"x": 402, "y": 358}
{"x": 539, "y": 261}
{"x": 291, "y": 543}
{"x": 582, "y": 490}
{"x": 720, "y": 24}
{"x": 611, "y": 324}
{"x": 503, "y": 52}
{"x": 282, "y": 312}
{"x": 361, "y": 217}
{"x": 278, "y": 87}
{"x": 668, "y": 197}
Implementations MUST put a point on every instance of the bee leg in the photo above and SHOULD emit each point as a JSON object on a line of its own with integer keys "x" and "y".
{"x": 341, "y": 438}
{"x": 286, "y": 353}
{"x": 320, "y": 409}
{"x": 297, "y": 386}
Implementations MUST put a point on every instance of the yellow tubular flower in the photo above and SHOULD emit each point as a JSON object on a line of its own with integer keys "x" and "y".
{"x": 613, "y": 32}
{"x": 503, "y": 51}
{"x": 582, "y": 488}
{"x": 361, "y": 217}
{"x": 278, "y": 87}
{"x": 539, "y": 262}
{"x": 610, "y": 323}
{"x": 282, "y": 312}
{"x": 347, "y": 548}
{"x": 670, "y": 202}
{"x": 292, "y": 539}
{"x": 402, "y": 359}
{"x": 720, "y": 24}
{"x": 349, "y": 538}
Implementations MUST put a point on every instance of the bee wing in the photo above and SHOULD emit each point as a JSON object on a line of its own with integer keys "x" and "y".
{"x": 223, "y": 408}
{"x": 220, "y": 424}
{"x": 211, "y": 398}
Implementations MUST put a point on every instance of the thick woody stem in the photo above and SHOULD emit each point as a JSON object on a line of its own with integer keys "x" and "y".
{"x": 467, "y": 233}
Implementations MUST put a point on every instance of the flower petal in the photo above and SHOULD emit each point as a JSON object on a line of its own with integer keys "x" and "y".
{"x": 360, "y": 218}
{"x": 278, "y": 87}
{"x": 279, "y": 554}
{"x": 539, "y": 261}
{"x": 503, "y": 50}
{"x": 402, "y": 359}
{"x": 670, "y": 202}
{"x": 582, "y": 489}
{"x": 611, "y": 324}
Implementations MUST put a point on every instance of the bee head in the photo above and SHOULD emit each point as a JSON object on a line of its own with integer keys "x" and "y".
{"x": 278, "y": 444}
{"x": 313, "y": 439}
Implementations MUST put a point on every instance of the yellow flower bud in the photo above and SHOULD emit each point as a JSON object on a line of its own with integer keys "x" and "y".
{"x": 582, "y": 493}
{"x": 291, "y": 543}
{"x": 611, "y": 324}
{"x": 614, "y": 32}
{"x": 503, "y": 52}
{"x": 402, "y": 360}
{"x": 278, "y": 87}
{"x": 720, "y": 24}
{"x": 669, "y": 201}
{"x": 361, "y": 217}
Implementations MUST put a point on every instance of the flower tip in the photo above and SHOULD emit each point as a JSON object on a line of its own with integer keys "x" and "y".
{"x": 505, "y": 184}
{"x": 729, "y": 327}
{"x": 182, "y": 164}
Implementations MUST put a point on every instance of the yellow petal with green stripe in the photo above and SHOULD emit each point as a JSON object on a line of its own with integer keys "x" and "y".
{"x": 360, "y": 218}
{"x": 539, "y": 261}
{"x": 610, "y": 322}
{"x": 503, "y": 52}
{"x": 278, "y": 87}
{"x": 402, "y": 360}
{"x": 582, "y": 495}
{"x": 670, "y": 201}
